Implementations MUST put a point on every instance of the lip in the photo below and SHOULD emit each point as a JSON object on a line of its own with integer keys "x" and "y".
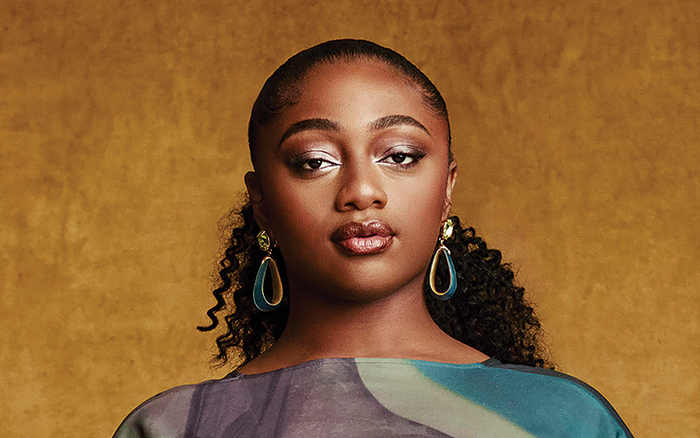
{"x": 363, "y": 238}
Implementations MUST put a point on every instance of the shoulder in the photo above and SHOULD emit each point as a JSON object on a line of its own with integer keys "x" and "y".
{"x": 547, "y": 383}
{"x": 162, "y": 416}
{"x": 568, "y": 401}
{"x": 540, "y": 401}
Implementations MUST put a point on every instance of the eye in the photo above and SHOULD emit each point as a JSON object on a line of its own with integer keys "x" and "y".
{"x": 403, "y": 158}
{"x": 315, "y": 164}
{"x": 312, "y": 162}
{"x": 400, "y": 158}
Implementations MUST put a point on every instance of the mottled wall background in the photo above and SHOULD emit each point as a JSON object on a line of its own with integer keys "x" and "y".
{"x": 122, "y": 133}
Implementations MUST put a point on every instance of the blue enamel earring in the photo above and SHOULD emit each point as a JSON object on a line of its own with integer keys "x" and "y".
{"x": 445, "y": 234}
{"x": 268, "y": 262}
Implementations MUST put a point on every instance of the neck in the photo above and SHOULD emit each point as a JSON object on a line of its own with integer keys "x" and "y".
{"x": 384, "y": 327}
{"x": 395, "y": 326}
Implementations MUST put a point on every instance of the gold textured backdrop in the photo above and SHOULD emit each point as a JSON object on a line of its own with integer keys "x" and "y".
{"x": 122, "y": 133}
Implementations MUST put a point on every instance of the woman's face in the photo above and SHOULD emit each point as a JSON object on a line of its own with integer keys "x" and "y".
{"x": 354, "y": 182}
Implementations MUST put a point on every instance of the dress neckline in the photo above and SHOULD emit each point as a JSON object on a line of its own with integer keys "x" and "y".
{"x": 377, "y": 360}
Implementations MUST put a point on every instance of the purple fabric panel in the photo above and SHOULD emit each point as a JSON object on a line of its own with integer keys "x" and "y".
{"x": 312, "y": 400}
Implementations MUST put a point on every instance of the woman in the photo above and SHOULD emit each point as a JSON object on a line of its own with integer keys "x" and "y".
{"x": 385, "y": 317}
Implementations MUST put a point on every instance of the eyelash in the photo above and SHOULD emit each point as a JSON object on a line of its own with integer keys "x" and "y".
{"x": 304, "y": 163}
{"x": 413, "y": 154}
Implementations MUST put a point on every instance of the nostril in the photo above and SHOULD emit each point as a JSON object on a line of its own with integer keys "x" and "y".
{"x": 360, "y": 190}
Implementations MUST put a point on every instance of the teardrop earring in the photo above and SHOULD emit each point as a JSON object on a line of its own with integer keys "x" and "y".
{"x": 268, "y": 262}
{"x": 445, "y": 234}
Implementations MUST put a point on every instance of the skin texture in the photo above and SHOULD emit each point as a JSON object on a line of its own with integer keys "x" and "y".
{"x": 341, "y": 155}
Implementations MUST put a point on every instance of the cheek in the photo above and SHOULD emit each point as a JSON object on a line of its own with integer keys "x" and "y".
{"x": 423, "y": 199}
{"x": 296, "y": 209}
{"x": 419, "y": 209}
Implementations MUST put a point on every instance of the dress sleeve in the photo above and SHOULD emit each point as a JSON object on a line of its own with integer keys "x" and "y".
{"x": 581, "y": 409}
{"x": 162, "y": 416}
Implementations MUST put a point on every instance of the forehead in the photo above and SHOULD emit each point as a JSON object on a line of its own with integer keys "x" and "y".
{"x": 355, "y": 93}
{"x": 359, "y": 82}
{"x": 367, "y": 70}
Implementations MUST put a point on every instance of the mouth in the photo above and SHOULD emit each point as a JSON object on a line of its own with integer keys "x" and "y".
{"x": 363, "y": 238}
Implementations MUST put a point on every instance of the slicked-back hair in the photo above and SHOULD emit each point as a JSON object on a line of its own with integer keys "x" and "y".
{"x": 282, "y": 89}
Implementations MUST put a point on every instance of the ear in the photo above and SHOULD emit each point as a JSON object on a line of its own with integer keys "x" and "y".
{"x": 451, "y": 180}
{"x": 255, "y": 193}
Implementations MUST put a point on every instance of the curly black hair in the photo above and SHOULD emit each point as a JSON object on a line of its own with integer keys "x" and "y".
{"x": 488, "y": 312}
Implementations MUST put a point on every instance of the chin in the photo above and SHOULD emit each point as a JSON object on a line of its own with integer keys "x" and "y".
{"x": 366, "y": 287}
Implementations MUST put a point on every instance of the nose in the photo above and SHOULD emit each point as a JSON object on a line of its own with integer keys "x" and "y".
{"x": 361, "y": 188}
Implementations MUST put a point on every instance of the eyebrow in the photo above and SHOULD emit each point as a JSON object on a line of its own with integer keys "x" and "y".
{"x": 329, "y": 125}
{"x": 396, "y": 120}
{"x": 309, "y": 125}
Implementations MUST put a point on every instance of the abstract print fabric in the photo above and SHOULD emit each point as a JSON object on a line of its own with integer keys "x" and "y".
{"x": 380, "y": 398}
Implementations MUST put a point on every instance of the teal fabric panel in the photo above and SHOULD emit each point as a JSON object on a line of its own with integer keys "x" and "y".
{"x": 538, "y": 402}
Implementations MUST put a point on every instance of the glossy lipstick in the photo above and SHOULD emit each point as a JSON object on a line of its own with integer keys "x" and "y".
{"x": 363, "y": 238}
